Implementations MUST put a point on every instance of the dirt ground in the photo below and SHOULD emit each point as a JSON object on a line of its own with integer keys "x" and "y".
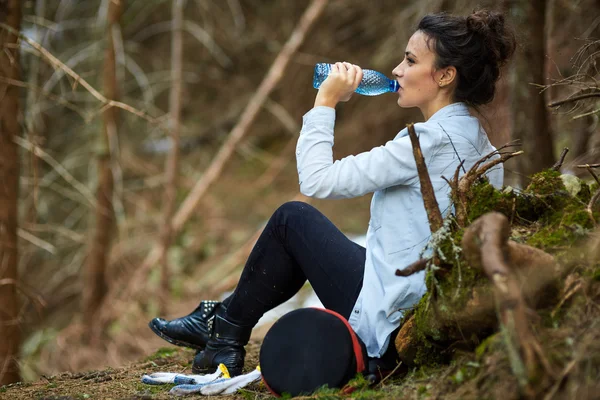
{"x": 122, "y": 383}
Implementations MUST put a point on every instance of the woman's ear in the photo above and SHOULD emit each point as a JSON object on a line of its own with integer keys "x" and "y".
{"x": 448, "y": 76}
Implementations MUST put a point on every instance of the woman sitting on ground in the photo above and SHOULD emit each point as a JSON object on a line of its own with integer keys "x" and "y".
{"x": 450, "y": 63}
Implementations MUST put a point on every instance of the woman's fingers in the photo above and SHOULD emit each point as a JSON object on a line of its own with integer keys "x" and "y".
{"x": 343, "y": 80}
{"x": 358, "y": 77}
{"x": 351, "y": 72}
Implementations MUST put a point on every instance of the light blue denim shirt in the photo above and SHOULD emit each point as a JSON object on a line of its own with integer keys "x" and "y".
{"x": 398, "y": 228}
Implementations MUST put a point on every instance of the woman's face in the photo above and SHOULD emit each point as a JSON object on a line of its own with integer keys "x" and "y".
{"x": 416, "y": 74}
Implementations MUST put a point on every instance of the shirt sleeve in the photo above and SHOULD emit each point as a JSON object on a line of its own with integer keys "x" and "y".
{"x": 382, "y": 167}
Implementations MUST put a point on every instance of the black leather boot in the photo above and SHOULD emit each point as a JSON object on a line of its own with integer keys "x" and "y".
{"x": 226, "y": 346}
{"x": 193, "y": 330}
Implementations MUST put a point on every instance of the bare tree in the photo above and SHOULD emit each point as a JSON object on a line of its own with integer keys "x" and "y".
{"x": 95, "y": 285}
{"x": 530, "y": 116}
{"x": 172, "y": 162}
{"x": 10, "y": 338}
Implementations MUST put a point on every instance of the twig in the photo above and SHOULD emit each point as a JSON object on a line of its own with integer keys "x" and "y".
{"x": 587, "y": 114}
{"x": 561, "y": 159}
{"x": 42, "y": 244}
{"x": 591, "y": 204}
{"x": 27, "y": 291}
{"x": 591, "y": 171}
{"x": 390, "y": 374}
{"x": 573, "y": 99}
{"x": 431, "y": 205}
{"x": 413, "y": 268}
{"x": 589, "y": 166}
{"x": 83, "y": 114}
{"x": 62, "y": 171}
{"x": 461, "y": 187}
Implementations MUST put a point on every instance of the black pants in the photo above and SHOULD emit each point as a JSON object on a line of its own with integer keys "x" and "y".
{"x": 299, "y": 243}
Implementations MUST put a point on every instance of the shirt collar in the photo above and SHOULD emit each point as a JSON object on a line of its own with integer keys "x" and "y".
{"x": 451, "y": 110}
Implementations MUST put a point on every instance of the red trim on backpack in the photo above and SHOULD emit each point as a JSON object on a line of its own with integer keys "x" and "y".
{"x": 360, "y": 362}
{"x": 274, "y": 393}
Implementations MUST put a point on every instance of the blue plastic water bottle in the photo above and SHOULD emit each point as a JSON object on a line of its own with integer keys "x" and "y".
{"x": 373, "y": 83}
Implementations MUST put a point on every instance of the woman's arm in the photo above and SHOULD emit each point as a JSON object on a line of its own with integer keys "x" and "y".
{"x": 384, "y": 166}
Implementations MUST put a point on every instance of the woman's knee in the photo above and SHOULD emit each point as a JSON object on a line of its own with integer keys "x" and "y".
{"x": 292, "y": 210}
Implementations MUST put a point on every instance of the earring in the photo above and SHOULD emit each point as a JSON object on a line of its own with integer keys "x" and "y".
{"x": 441, "y": 84}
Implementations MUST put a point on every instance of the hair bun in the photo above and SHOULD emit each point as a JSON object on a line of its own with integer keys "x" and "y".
{"x": 484, "y": 22}
{"x": 490, "y": 25}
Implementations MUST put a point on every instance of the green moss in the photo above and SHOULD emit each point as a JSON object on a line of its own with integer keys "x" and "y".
{"x": 585, "y": 194}
{"x": 144, "y": 390}
{"x": 485, "y": 198}
{"x": 485, "y": 346}
{"x": 426, "y": 353}
{"x": 545, "y": 183}
{"x": 163, "y": 352}
{"x": 563, "y": 228}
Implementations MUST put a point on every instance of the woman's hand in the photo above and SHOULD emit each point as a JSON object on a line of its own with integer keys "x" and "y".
{"x": 342, "y": 81}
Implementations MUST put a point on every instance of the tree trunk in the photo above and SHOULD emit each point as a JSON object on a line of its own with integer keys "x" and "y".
{"x": 173, "y": 157}
{"x": 10, "y": 14}
{"x": 95, "y": 285}
{"x": 530, "y": 117}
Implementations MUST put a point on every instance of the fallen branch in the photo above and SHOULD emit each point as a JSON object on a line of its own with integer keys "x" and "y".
{"x": 431, "y": 205}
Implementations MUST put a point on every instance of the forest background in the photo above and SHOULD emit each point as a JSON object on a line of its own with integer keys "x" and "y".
{"x": 143, "y": 144}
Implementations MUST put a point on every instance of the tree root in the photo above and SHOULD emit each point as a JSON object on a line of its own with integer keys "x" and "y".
{"x": 485, "y": 245}
{"x": 518, "y": 274}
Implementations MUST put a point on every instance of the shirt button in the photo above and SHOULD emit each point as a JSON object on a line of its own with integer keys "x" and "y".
{"x": 356, "y": 311}
{"x": 298, "y": 153}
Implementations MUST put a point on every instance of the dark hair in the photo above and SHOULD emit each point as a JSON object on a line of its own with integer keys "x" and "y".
{"x": 477, "y": 46}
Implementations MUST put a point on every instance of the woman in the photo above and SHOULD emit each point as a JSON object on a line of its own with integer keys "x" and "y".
{"x": 450, "y": 63}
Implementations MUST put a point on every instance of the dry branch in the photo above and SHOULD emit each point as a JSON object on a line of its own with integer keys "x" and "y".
{"x": 189, "y": 205}
{"x": 589, "y": 166}
{"x": 431, "y": 205}
{"x": 78, "y": 80}
{"x": 558, "y": 165}
{"x": 591, "y": 171}
{"x": 58, "y": 167}
{"x": 413, "y": 268}
{"x": 573, "y": 99}
{"x": 461, "y": 188}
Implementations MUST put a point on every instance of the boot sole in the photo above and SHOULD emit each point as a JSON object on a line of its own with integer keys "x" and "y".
{"x": 173, "y": 341}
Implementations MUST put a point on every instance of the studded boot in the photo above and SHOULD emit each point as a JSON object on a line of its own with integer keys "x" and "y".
{"x": 193, "y": 330}
{"x": 226, "y": 346}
